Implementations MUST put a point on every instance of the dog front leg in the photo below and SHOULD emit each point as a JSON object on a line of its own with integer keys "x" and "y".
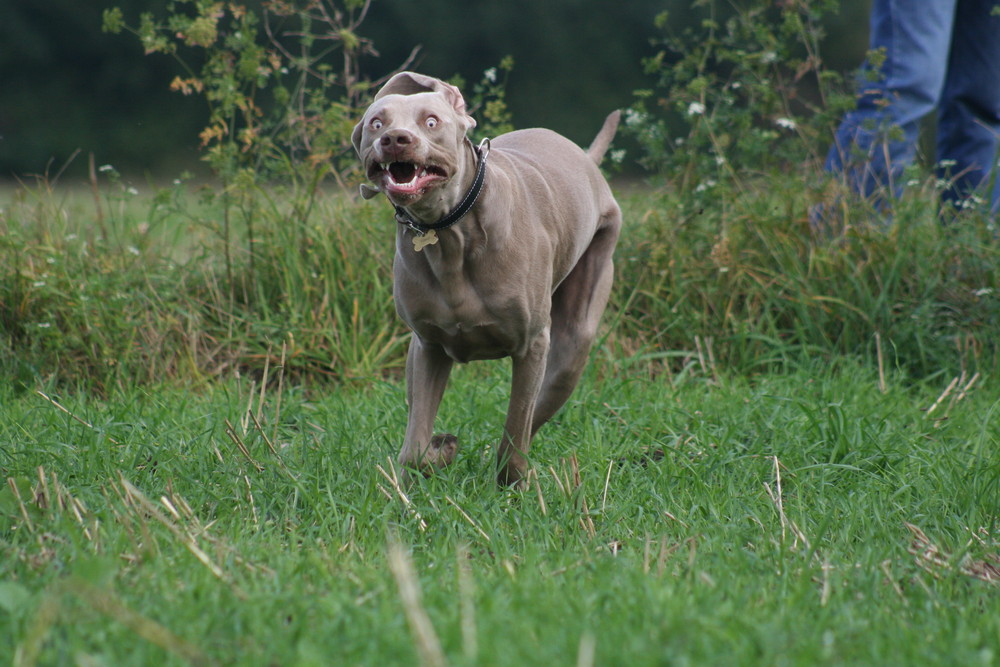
{"x": 427, "y": 371}
{"x": 526, "y": 382}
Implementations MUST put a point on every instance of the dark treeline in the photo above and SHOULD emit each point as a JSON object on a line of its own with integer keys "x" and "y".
{"x": 65, "y": 86}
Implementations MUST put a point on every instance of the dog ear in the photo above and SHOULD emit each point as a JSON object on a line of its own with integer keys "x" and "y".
{"x": 411, "y": 83}
{"x": 356, "y": 136}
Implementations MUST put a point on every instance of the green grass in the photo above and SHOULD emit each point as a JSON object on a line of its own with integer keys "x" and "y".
{"x": 771, "y": 422}
{"x": 744, "y": 520}
{"x": 785, "y": 450}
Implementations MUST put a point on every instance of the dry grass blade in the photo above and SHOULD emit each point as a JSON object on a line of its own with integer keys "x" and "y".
{"x": 139, "y": 499}
{"x": 585, "y": 653}
{"x": 933, "y": 559}
{"x": 881, "y": 362}
{"x": 944, "y": 394}
{"x": 426, "y": 640}
{"x": 607, "y": 483}
{"x": 109, "y": 604}
{"x": 663, "y": 552}
{"x": 468, "y": 518}
{"x": 241, "y": 446}
{"x": 778, "y": 500}
{"x": 394, "y": 481}
{"x": 271, "y": 447}
{"x": 885, "y": 565}
{"x": 570, "y": 484}
{"x": 73, "y": 416}
{"x": 963, "y": 392}
{"x": 467, "y": 603}
{"x": 532, "y": 480}
{"x": 704, "y": 351}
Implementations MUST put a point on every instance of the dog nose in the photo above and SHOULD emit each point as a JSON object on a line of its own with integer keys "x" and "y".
{"x": 396, "y": 139}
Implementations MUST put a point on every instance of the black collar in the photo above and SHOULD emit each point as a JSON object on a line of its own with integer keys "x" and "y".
{"x": 404, "y": 218}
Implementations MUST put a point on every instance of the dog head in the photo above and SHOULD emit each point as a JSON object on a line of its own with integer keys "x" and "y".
{"x": 411, "y": 136}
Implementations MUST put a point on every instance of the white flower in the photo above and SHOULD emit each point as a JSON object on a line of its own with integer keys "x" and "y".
{"x": 633, "y": 117}
{"x": 491, "y": 75}
{"x": 132, "y": 191}
{"x": 719, "y": 160}
{"x": 105, "y": 167}
{"x": 786, "y": 123}
{"x": 617, "y": 155}
{"x": 705, "y": 185}
{"x": 983, "y": 291}
{"x": 696, "y": 109}
{"x": 135, "y": 251}
{"x": 768, "y": 57}
{"x": 44, "y": 325}
{"x": 38, "y": 283}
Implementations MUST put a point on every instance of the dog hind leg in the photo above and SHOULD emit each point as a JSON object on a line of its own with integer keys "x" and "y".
{"x": 577, "y": 306}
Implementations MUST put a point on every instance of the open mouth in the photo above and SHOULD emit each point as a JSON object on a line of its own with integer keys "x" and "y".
{"x": 405, "y": 178}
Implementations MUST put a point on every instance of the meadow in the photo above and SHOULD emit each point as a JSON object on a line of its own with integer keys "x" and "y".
{"x": 808, "y": 517}
{"x": 785, "y": 449}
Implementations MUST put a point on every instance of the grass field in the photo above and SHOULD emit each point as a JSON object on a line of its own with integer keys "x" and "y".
{"x": 785, "y": 450}
{"x": 822, "y": 515}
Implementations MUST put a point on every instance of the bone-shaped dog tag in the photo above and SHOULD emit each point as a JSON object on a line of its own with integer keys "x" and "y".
{"x": 423, "y": 240}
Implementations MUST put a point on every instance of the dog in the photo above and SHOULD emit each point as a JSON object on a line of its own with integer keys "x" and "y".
{"x": 502, "y": 250}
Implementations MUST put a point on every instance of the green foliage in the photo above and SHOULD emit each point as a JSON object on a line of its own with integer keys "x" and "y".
{"x": 742, "y": 92}
{"x": 488, "y": 100}
{"x": 278, "y": 86}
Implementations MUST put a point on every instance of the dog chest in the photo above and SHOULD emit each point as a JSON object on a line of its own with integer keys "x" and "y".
{"x": 470, "y": 330}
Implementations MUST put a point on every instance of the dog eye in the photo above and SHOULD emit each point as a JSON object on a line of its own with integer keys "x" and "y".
{"x": 376, "y": 124}
{"x": 431, "y": 122}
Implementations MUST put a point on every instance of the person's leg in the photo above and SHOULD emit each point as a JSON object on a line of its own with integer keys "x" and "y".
{"x": 878, "y": 139}
{"x": 969, "y": 114}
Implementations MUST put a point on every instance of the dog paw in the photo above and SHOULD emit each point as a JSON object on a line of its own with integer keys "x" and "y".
{"x": 438, "y": 453}
{"x": 442, "y": 450}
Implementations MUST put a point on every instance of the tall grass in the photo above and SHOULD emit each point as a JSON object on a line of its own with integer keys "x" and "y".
{"x": 749, "y": 274}
{"x": 155, "y": 290}
{"x": 165, "y": 292}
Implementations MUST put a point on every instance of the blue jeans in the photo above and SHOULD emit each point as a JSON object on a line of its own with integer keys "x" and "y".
{"x": 938, "y": 54}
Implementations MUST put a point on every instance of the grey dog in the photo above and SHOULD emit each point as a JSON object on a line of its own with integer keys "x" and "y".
{"x": 502, "y": 250}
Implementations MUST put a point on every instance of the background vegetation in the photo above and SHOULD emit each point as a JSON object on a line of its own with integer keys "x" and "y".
{"x": 66, "y": 86}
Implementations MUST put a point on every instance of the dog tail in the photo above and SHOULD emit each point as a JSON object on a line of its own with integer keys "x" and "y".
{"x": 599, "y": 146}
